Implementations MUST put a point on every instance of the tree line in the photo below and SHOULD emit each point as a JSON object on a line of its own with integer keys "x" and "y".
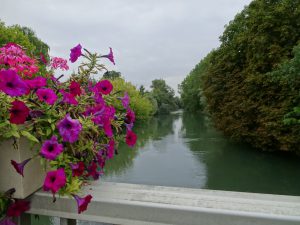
{"x": 250, "y": 84}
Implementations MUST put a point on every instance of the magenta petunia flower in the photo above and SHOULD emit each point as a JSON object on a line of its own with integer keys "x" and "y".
{"x": 75, "y": 88}
{"x": 110, "y": 56}
{"x": 46, "y": 95}
{"x": 51, "y": 148}
{"x": 11, "y": 84}
{"x": 68, "y": 98}
{"x": 75, "y": 53}
{"x": 101, "y": 159}
{"x": 104, "y": 87}
{"x": 99, "y": 99}
{"x": 82, "y": 203}
{"x": 19, "y": 167}
{"x": 37, "y": 82}
{"x": 55, "y": 180}
{"x": 130, "y": 116}
{"x": 18, "y": 112}
{"x": 93, "y": 171}
{"x": 17, "y": 208}
{"x": 69, "y": 129}
{"x": 125, "y": 100}
{"x": 130, "y": 138}
{"x": 111, "y": 149}
{"x": 77, "y": 169}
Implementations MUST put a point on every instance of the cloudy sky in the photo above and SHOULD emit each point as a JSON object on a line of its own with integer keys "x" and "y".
{"x": 151, "y": 38}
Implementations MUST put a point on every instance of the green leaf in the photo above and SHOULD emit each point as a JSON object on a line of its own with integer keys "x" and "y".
{"x": 29, "y": 136}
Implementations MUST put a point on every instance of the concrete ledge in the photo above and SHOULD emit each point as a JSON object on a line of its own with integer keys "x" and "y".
{"x": 131, "y": 204}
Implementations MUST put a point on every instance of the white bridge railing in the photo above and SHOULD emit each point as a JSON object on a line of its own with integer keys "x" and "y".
{"x": 130, "y": 204}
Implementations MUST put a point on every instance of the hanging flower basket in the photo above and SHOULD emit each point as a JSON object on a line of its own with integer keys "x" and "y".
{"x": 71, "y": 128}
{"x": 34, "y": 173}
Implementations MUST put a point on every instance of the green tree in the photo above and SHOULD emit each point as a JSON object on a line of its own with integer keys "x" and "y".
{"x": 244, "y": 100}
{"x": 190, "y": 89}
{"x": 25, "y": 37}
{"x": 112, "y": 75}
{"x": 164, "y": 95}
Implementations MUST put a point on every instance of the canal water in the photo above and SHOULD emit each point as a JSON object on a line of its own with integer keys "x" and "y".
{"x": 184, "y": 150}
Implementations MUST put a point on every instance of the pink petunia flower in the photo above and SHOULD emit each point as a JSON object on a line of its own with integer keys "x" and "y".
{"x": 130, "y": 116}
{"x": 75, "y": 53}
{"x": 51, "y": 148}
{"x": 75, "y": 88}
{"x": 104, "y": 87}
{"x": 110, "y": 56}
{"x": 43, "y": 59}
{"x": 19, "y": 167}
{"x": 55, "y": 180}
{"x": 68, "y": 98}
{"x": 82, "y": 203}
{"x": 18, "y": 112}
{"x": 11, "y": 84}
{"x": 47, "y": 95}
{"x": 17, "y": 208}
{"x": 77, "y": 169}
{"x": 93, "y": 171}
{"x": 37, "y": 82}
{"x": 59, "y": 63}
{"x": 130, "y": 138}
{"x": 69, "y": 129}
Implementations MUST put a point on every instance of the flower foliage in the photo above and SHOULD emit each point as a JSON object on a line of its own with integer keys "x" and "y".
{"x": 73, "y": 125}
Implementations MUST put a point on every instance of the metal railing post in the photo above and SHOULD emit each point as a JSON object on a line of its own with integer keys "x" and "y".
{"x": 64, "y": 221}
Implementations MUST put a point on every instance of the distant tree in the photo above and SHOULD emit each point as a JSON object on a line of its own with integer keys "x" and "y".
{"x": 164, "y": 95}
{"x": 112, "y": 75}
{"x": 142, "y": 89}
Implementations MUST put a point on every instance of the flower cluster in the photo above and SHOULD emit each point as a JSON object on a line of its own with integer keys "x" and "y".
{"x": 76, "y": 125}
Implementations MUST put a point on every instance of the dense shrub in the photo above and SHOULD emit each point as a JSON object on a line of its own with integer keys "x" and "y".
{"x": 141, "y": 105}
{"x": 252, "y": 80}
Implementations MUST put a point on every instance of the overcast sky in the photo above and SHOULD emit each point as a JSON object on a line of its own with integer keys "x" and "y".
{"x": 151, "y": 38}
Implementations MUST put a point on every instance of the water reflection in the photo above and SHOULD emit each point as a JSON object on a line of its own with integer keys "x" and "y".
{"x": 185, "y": 150}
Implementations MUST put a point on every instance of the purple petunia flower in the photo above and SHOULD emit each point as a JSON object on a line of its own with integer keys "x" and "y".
{"x": 19, "y": 167}
{"x": 51, "y": 148}
{"x": 111, "y": 149}
{"x": 125, "y": 100}
{"x": 75, "y": 53}
{"x": 11, "y": 84}
{"x": 110, "y": 56}
{"x": 68, "y": 98}
{"x": 69, "y": 129}
{"x": 55, "y": 180}
{"x": 82, "y": 203}
{"x": 47, "y": 95}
